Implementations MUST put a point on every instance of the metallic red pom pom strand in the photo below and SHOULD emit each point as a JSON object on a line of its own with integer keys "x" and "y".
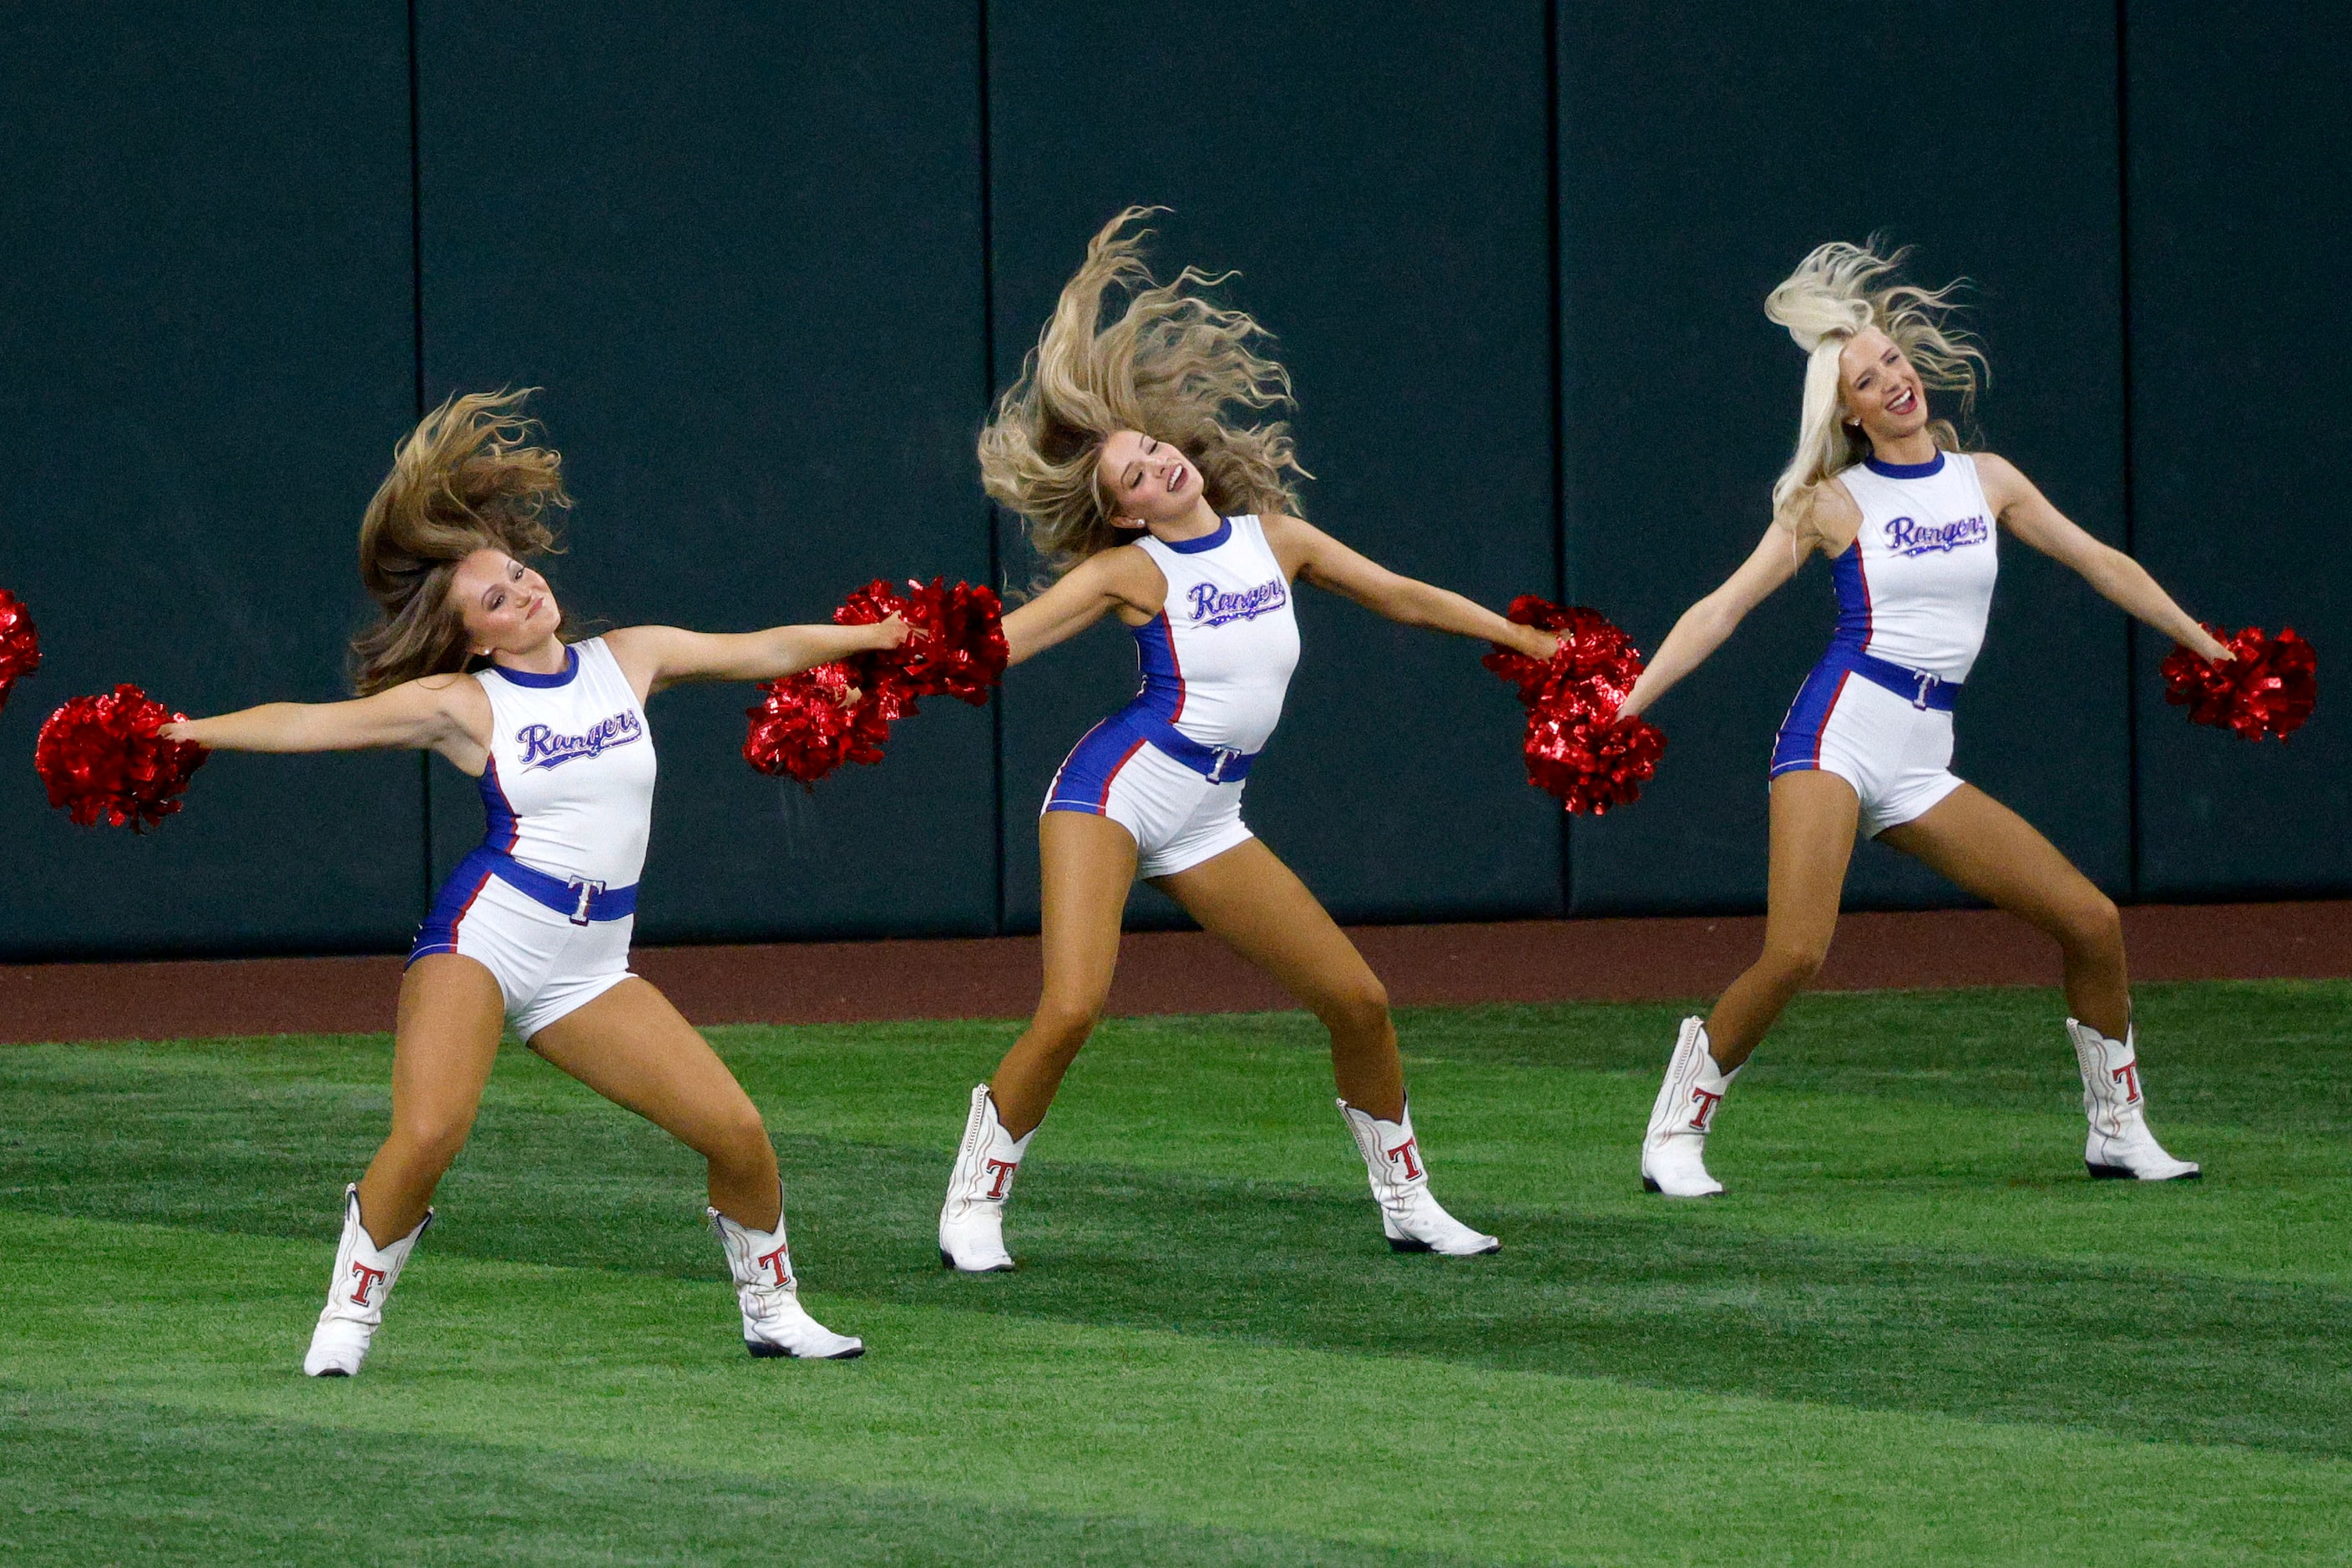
{"x": 959, "y": 650}
{"x": 102, "y": 758}
{"x": 1577, "y": 749}
{"x": 2269, "y": 689}
{"x": 809, "y": 724}
{"x": 20, "y": 644}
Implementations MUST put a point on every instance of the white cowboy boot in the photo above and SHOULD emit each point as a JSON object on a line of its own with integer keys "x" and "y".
{"x": 1413, "y": 1220}
{"x": 2120, "y": 1146}
{"x": 364, "y": 1275}
{"x": 1673, "y": 1150}
{"x": 972, "y": 1221}
{"x": 775, "y": 1323}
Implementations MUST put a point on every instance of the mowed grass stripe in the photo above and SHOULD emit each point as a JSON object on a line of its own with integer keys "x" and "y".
{"x": 1943, "y": 1120}
{"x": 2262, "y": 1055}
{"x": 1083, "y": 1421}
{"x": 1763, "y": 1292}
{"x": 116, "y": 1480}
{"x": 1652, "y": 1298}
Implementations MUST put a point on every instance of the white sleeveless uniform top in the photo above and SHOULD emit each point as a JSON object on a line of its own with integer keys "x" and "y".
{"x": 570, "y": 785}
{"x": 1915, "y": 586}
{"x": 1217, "y": 659}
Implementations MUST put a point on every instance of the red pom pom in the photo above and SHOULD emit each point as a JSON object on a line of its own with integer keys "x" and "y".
{"x": 103, "y": 757}
{"x": 962, "y": 652}
{"x": 959, "y": 650}
{"x": 1588, "y": 757}
{"x": 811, "y": 723}
{"x": 20, "y": 644}
{"x": 2269, "y": 689}
{"x": 1593, "y": 656}
{"x": 1577, "y": 749}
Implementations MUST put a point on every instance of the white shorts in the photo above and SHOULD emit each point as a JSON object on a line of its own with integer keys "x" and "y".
{"x": 546, "y": 966}
{"x": 1178, "y": 817}
{"x": 1897, "y": 754}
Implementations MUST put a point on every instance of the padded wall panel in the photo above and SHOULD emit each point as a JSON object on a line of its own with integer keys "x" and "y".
{"x": 740, "y": 248}
{"x": 205, "y": 320}
{"x": 2239, "y": 117}
{"x": 1381, "y": 186}
{"x": 1703, "y": 151}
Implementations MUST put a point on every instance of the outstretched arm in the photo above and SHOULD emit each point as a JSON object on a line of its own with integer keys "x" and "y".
{"x": 1706, "y": 625}
{"x": 1085, "y": 594}
{"x": 2123, "y": 582}
{"x": 434, "y": 712}
{"x": 656, "y": 657}
{"x": 1311, "y": 555}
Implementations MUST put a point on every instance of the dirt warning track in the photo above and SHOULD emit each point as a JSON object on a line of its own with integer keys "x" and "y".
{"x": 1186, "y": 971}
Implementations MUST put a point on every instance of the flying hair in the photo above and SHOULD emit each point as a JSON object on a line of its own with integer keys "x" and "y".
{"x": 1167, "y": 364}
{"x": 468, "y": 477}
{"x": 1837, "y": 293}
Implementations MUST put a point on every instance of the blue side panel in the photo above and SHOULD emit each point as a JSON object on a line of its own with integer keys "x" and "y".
{"x": 1163, "y": 679}
{"x": 1798, "y": 743}
{"x": 440, "y": 931}
{"x": 502, "y": 833}
{"x": 1084, "y": 782}
{"x": 1853, "y": 598}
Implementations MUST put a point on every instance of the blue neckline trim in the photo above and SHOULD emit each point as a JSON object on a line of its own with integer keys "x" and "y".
{"x": 1907, "y": 470}
{"x": 1206, "y": 541}
{"x": 525, "y": 677}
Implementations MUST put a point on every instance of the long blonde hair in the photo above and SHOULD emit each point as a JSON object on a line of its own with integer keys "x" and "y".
{"x": 1171, "y": 366}
{"x": 468, "y": 477}
{"x": 1837, "y": 293}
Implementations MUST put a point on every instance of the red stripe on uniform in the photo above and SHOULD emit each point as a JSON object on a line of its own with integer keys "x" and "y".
{"x": 1102, "y": 805}
{"x": 1869, "y": 621}
{"x": 1168, "y": 629}
{"x": 1827, "y": 714}
{"x": 465, "y": 909}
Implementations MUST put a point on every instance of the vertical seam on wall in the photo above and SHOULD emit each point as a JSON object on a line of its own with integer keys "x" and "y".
{"x": 417, "y": 375}
{"x": 1554, "y": 311}
{"x": 2131, "y": 456}
{"x": 988, "y": 511}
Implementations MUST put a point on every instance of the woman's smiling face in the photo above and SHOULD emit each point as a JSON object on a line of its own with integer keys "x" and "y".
{"x": 1882, "y": 390}
{"x": 1146, "y": 481}
{"x": 506, "y": 605}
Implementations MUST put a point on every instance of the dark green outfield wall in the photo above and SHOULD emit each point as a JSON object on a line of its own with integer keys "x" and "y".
{"x": 768, "y": 263}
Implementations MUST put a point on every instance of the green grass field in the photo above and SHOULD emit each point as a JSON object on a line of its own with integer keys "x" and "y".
{"x": 1913, "y": 1332}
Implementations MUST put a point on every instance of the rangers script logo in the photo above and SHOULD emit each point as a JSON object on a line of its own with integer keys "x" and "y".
{"x": 1212, "y": 607}
{"x": 544, "y": 748}
{"x": 1907, "y": 536}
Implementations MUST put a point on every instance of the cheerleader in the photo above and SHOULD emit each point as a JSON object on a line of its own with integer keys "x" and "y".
{"x": 1910, "y": 525}
{"x": 470, "y": 658}
{"x": 1119, "y": 449}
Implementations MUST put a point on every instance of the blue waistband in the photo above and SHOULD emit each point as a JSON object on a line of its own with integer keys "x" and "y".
{"x": 1218, "y": 764}
{"x": 1916, "y": 687}
{"x": 577, "y": 897}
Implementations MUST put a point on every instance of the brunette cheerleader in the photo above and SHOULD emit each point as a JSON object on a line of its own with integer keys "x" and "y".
{"x": 469, "y": 658}
{"x": 1120, "y": 447}
{"x": 1910, "y": 525}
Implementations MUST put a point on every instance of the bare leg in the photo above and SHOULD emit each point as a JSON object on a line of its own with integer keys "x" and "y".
{"x": 1253, "y": 903}
{"x": 633, "y": 1048}
{"x": 1088, "y": 864}
{"x": 1994, "y": 853}
{"x": 445, "y": 1040}
{"x": 1813, "y": 818}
